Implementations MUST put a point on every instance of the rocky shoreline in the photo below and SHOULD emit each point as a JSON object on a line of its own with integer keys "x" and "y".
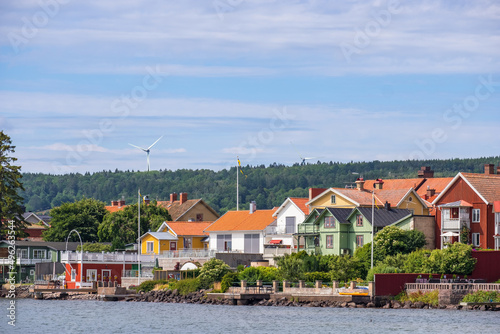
{"x": 200, "y": 297}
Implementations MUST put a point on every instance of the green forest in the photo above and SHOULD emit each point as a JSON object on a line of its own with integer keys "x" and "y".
{"x": 269, "y": 185}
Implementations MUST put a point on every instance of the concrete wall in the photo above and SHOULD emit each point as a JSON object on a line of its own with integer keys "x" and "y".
{"x": 426, "y": 225}
{"x": 235, "y": 259}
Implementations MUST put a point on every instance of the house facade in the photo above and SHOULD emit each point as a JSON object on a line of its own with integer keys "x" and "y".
{"x": 340, "y": 231}
{"x": 465, "y": 210}
{"x": 240, "y": 231}
{"x": 181, "y": 208}
{"x": 288, "y": 216}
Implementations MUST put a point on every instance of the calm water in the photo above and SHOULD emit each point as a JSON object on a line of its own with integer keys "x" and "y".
{"x": 73, "y": 316}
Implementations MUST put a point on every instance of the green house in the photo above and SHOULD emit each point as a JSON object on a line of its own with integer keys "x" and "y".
{"x": 340, "y": 231}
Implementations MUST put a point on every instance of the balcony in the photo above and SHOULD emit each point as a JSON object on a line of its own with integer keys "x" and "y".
{"x": 189, "y": 253}
{"x": 105, "y": 257}
{"x": 23, "y": 262}
{"x": 308, "y": 229}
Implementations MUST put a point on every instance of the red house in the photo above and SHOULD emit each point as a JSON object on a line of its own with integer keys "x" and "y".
{"x": 469, "y": 207}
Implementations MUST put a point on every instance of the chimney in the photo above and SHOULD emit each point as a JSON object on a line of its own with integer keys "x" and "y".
{"x": 489, "y": 169}
{"x": 146, "y": 199}
{"x": 121, "y": 202}
{"x": 173, "y": 197}
{"x": 425, "y": 172}
{"x": 360, "y": 183}
{"x": 313, "y": 192}
{"x": 183, "y": 197}
{"x": 378, "y": 184}
{"x": 253, "y": 207}
{"x": 430, "y": 192}
{"x": 114, "y": 203}
{"x": 387, "y": 206}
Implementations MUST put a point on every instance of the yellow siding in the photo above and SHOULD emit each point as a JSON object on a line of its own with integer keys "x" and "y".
{"x": 199, "y": 208}
{"x": 197, "y": 244}
{"x": 325, "y": 201}
{"x": 144, "y": 241}
{"x": 414, "y": 204}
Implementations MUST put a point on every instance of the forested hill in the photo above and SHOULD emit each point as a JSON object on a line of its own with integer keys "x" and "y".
{"x": 268, "y": 186}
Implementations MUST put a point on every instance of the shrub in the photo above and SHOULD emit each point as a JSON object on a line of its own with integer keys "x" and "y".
{"x": 150, "y": 285}
{"x": 416, "y": 261}
{"x": 482, "y": 297}
{"x": 186, "y": 286}
{"x": 455, "y": 259}
{"x": 290, "y": 267}
{"x": 228, "y": 280}
{"x": 318, "y": 276}
{"x": 431, "y": 298}
{"x": 212, "y": 271}
{"x": 380, "y": 269}
{"x": 346, "y": 268}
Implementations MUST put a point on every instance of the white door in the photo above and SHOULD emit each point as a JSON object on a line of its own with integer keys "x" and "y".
{"x": 91, "y": 275}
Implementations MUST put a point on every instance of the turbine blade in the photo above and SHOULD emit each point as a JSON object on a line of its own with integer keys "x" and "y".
{"x": 155, "y": 142}
{"x": 138, "y": 147}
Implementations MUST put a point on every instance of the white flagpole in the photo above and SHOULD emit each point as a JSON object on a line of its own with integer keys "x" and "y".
{"x": 237, "y": 184}
{"x": 373, "y": 224}
{"x": 139, "y": 234}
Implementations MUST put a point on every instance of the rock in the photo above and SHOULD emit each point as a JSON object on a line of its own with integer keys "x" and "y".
{"x": 351, "y": 305}
{"x": 419, "y": 304}
{"x": 483, "y": 308}
{"x": 370, "y": 305}
{"x": 396, "y": 305}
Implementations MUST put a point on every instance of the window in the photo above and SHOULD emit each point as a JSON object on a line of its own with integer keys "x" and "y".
{"x": 224, "y": 242}
{"x": 73, "y": 275}
{"x": 252, "y": 243}
{"x": 91, "y": 275}
{"x": 359, "y": 241}
{"x": 359, "y": 220}
{"x": 333, "y": 199}
{"x": 39, "y": 254}
{"x": 475, "y": 239}
{"x": 22, "y": 253}
{"x": 476, "y": 215}
{"x": 454, "y": 213}
{"x": 290, "y": 225}
{"x": 199, "y": 217}
{"x": 329, "y": 241}
{"x": 329, "y": 222}
{"x": 32, "y": 272}
{"x": 150, "y": 246}
{"x": 188, "y": 243}
{"x": 410, "y": 199}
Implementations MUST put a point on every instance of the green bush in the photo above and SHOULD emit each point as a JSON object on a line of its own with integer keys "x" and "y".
{"x": 431, "y": 298}
{"x": 482, "y": 297}
{"x": 290, "y": 267}
{"x": 346, "y": 268}
{"x": 186, "y": 286}
{"x": 150, "y": 285}
{"x": 318, "y": 276}
{"x": 380, "y": 269}
{"x": 416, "y": 261}
{"x": 455, "y": 259}
{"x": 212, "y": 271}
{"x": 228, "y": 280}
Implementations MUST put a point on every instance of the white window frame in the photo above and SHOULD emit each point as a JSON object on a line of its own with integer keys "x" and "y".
{"x": 89, "y": 275}
{"x": 73, "y": 275}
{"x": 476, "y": 239}
{"x": 476, "y": 215}
{"x": 22, "y": 254}
{"x": 150, "y": 246}
{"x": 43, "y": 252}
{"x": 188, "y": 243}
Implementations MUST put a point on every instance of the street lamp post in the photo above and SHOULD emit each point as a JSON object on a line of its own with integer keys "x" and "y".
{"x": 81, "y": 253}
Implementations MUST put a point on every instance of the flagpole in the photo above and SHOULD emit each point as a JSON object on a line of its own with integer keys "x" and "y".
{"x": 373, "y": 224}
{"x": 139, "y": 234}
{"x": 237, "y": 185}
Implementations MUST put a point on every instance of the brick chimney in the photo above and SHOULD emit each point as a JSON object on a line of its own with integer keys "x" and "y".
{"x": 430, "y": 192}
{"x": 378, "y": 184}
{"x": 114, "y": 203}
{"x": 425, "y": 172}
{"x": 360, "y": 183}
{"x": 313, "y": 192}
{"x": 173, "y": 197}
{"x": 489, "y": 169}
{"x": 183, "y": 197}
{"x": 121, "y": 202}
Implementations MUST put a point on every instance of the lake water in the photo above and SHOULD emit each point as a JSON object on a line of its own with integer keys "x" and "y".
{"x": 80, "y": 316}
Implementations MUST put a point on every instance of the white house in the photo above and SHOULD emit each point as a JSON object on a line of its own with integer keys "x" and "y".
{"x": 292, "y": 212}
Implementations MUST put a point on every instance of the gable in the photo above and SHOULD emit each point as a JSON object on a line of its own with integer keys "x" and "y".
{"x": 324, "y": 200}
{"x": 458, "y": 190}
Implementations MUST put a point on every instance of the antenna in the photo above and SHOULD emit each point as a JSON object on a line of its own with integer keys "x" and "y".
{"x": 147, "y": 150}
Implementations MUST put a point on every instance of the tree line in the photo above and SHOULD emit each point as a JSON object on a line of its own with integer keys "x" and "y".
{"x": 267, "y": 185}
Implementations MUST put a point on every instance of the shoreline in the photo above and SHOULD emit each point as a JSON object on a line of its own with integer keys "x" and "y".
{"x": 200, "y": 297}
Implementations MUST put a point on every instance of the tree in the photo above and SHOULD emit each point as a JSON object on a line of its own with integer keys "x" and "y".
{"x": 84, "y": 216}
{"x": 345, "y": 268}
{"x": 95, "y": 247}
{"x": 10, "y": 185}
{"x": 212, "y": 271}
{"x": 120, "y": 227}
{"x": 290, "y": 267}
{"x": 455, "y": 259}
{"x": 393, "y": 240}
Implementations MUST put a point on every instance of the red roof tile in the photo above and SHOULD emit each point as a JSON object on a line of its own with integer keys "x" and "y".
{"x": 301, "y": 203}
{"x": 488, "y": 185}
{"x": 189, "y": 228}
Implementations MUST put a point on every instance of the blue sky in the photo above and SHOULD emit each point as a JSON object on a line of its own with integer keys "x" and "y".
{"x": 268, "y": 81}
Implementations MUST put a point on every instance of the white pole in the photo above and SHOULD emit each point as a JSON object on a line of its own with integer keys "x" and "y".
{"x": 237, "y": 185}
{"x": 139, "y": 234}
{"x": 373, "y": 224}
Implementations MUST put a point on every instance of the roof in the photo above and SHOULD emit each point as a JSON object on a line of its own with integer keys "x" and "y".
{"x": 243, "y": 221}
{"x": 340, "y": 214}
{"x": 161, "y": 235}
{"x": 392, "y": 184}
{"x": 436, "y": 183}
{"x": 189, "y": 228}
{"x": 460, "y": 203}
{"x": 486, "y": 186}
{"x": 299, "y": 202}
{"x": 115, "y": 208}
{"x": 496, "y": 206}
{"x": 384, "y": 217}
{"x": 177, "y": 210}
{"x": 55, "y": 245}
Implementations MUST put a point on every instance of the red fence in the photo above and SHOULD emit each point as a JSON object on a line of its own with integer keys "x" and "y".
{"x": 487, "y": 267}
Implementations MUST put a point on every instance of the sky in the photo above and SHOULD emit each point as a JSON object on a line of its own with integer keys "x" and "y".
{"x": 266, "y": 81}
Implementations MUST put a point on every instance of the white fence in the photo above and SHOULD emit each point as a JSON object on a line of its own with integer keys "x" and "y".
{"x": 105, "y": 257}
{"x": 189, "y": 253}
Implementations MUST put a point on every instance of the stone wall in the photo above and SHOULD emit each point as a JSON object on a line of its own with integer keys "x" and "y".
{"x": 235, "y": 259}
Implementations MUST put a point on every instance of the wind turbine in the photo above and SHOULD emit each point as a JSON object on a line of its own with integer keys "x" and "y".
{"x": 302, "y": 159}
{"x": 147, "y": 150}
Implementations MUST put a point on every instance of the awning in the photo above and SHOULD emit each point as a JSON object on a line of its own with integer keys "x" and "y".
{"x": 206, "y": 239}
{"x": 450, "y": 234}
{"x": 275, "y": 242}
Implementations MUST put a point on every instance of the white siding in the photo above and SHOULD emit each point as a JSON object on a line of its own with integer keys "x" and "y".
{"x": 290, "y": 210}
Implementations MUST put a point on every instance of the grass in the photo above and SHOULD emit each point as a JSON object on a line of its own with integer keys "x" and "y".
{"x": 430, "y": 298}
{"x": 482, "y": 297}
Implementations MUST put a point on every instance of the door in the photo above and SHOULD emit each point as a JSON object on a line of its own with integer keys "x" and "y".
{"x": 173, "y": 245}
{"x": 106, "y": 274}
{"x": 91, "y": 275}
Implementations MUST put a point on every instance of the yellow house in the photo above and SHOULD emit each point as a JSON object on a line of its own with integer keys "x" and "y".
{"x": 175, "y": 236}
{"x": 403, "y": 198}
